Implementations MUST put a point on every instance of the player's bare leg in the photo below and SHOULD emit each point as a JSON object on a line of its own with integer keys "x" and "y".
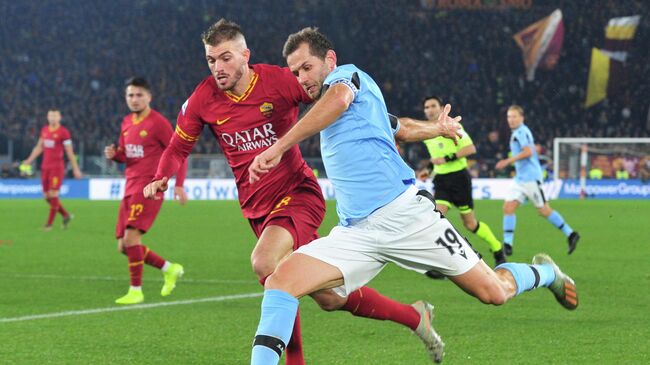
{"x": 274, "y": 244}
{"x": 500, "y": 285}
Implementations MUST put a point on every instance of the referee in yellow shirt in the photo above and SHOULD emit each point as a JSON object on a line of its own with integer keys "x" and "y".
{"x": 452, "y": 182}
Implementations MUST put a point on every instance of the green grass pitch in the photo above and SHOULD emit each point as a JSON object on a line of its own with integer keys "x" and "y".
{"x": 53, "y": 273}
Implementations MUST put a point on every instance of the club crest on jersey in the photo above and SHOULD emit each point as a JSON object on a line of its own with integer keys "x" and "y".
{"x": 143, "y": 133}
{"x": 266, "y": 109}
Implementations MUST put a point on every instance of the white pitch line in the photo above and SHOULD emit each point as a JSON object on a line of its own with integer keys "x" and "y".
{"x": 129, "y": 307}
{"x": 112, "y": 278}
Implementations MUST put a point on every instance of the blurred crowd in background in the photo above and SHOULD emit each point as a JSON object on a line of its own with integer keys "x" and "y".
{"x": 76, "y": 56}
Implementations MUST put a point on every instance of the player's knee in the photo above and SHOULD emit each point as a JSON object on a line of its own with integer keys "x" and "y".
{"x": 329, "y": 301}
{"x": 278, "y": 281}
{"x": 262, "y": 265}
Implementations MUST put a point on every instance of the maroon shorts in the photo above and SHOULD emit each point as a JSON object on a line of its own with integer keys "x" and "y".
{"x": 52, "y": 178}
{"x": 137, "y": 212}
{"x": 300, "y": 212}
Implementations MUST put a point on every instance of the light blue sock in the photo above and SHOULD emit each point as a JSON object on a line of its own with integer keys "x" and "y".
{"x": 559, "y": 223}
{"x": 525, "y": 277}
{"x": 509, "y": 223}
{"x": 274, "y": 330}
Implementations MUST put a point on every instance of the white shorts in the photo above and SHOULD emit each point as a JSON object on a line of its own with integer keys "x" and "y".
{"x": 407, "y": 231}
{"x": 529, "y": 190}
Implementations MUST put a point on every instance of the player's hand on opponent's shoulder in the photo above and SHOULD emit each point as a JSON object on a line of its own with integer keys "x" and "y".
{"x": 449, "y": 127}
{"x": 262, "y": 163}
{"x": 154, "y": 187}
{"x": 109, "y": 152}
{"x": 180, "y": 195}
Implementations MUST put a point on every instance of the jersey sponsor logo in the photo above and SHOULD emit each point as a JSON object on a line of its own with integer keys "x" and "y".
{"x": 266, "y": 109}
{"x": 184, "y": 106}
{"x": 222, "y": 121}
{"x": 49, "y": 143}
{"x": 441, "y": 145}
{"x": 251, "y": 139}
{"x": 143, "y": 133}
{"x": 134, "y": 150}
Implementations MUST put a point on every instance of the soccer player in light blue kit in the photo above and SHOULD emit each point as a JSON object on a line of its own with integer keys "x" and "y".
{"x": 383, "y": 218}
{"x": 528, "y": 183}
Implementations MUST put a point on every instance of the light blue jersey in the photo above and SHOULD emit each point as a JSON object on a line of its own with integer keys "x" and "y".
{"x": 529, "y": 168}
{"x": 359, "y": 152}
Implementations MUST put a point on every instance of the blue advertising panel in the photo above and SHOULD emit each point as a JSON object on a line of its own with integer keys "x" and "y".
{"x": 31, "y": 188}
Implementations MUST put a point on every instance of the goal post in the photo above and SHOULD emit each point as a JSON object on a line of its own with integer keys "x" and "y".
{"x": 574, "y": 158}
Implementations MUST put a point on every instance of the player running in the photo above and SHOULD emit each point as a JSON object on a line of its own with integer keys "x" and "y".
{"x": 144, "y": 134}
{"x": 452, "y": 182}
{"x": 247, "y": 109}
{"x": 528, "y": 183}
{"x": 383, "y": 218}
{"x": 53, "y": 140}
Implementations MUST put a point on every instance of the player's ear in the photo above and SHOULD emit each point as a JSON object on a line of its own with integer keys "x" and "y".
{"x": 247, "y": 54}
{"x": 330, "y": 59}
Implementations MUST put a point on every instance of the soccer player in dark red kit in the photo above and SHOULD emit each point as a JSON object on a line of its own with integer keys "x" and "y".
{"x": 52, "y": 142}
{"x": 247, "y": 108}
{"x": 143, "y": 137}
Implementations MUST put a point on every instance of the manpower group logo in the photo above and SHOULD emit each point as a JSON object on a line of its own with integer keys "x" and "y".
{"x": 607, "y": 189}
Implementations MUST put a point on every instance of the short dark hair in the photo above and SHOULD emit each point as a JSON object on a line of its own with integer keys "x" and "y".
{"x": 221, "y": 31}
{"x": 318, "y": 43}
{"x": 139, "y": 82}
{"x": 54, "y": 109}
{"x": 434, "y": 97}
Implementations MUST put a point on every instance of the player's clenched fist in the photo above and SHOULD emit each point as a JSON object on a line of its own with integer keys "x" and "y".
{"x": 109, "y": 152}
{"x": 154, "y": 187}
{"x": 262, "y": 163}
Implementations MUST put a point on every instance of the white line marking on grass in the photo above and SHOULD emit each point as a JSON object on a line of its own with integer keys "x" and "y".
{"x": 129, "y": 307}
{"x": 112, "y": 278}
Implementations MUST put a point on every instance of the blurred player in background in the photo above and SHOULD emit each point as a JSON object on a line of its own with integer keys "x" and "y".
{"x": 528, "y": 182}
{"x": 53, "y": 140}
{"x": 452, "y": 182}
{"x": 383, "y": 217}
{"x": 144, "y": 134}
{"x": 247, "y": 108}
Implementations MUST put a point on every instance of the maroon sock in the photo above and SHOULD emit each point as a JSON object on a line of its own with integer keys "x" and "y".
{"x": 151, "y": 258}
{"x": 293, "y": 353}
{"x": 367, "y": 302}
{"x": 136, "y": 261}
{"x": 53, "y": 202}
{"x": 61, "y": 210}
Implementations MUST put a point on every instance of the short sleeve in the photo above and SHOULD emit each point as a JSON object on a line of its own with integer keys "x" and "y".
{"x": 347, "y": 77}
{"x": 66, "y": 138}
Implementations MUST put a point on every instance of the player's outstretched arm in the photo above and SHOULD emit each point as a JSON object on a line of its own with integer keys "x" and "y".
{"x": 328, "y": 109}
{"x": 412, "y": 130}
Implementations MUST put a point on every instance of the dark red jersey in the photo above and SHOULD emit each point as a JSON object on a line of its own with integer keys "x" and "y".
{"x": 142, "y": 142}
{"x": 245, "y": 126}
{"x": 53, "y": 142}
